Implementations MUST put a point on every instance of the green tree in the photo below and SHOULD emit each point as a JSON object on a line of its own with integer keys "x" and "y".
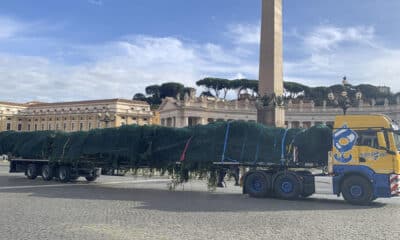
{"x": 171, "y": 89}
{"x": 294, "y": 89}
{"x": 154, "y": 92}
{"x": 245, "y": 84}
{"x": 139, "y": 97}
{"x": 215, "y": 84}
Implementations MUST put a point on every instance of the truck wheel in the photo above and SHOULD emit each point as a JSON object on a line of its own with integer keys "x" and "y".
{"x": 31, "y": 171}
{"x": 91, "y": 178}
{"x": 74, "y": 178}
{"x": 64, "y": 174}
{"x": 287, "y": 186}
{"x": 357, "y": 190}
{"x": 258, "y": 184}
{"x": 47, "y": 173}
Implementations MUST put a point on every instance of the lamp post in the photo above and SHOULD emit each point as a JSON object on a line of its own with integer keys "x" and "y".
{"x": 106, "y": 117}
{"x": 343, "y": 100}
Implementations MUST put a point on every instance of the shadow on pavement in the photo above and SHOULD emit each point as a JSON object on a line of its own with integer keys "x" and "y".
{"x": 181, "y": 201}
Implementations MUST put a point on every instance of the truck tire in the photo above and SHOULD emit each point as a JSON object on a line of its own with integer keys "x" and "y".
{"x": 357, "y": 190}
{"x": 258, "y": 184}
{"x": 31, "y": 171}
{"x": 47, "y": 173}
{"x": 287, "y": 186}
{"x": 91, "y": 178}
{"x": 73, "y": 178}
{"x": 63, "y": 174}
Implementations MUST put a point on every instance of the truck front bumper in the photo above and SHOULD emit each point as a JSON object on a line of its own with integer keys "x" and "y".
{"x": 395, "y": 185}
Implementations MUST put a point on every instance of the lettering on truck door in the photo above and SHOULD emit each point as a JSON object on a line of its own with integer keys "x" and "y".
{"x": 369, "y": 153}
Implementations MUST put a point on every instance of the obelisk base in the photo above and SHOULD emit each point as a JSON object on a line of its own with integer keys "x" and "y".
{"x": 271, "y": 116}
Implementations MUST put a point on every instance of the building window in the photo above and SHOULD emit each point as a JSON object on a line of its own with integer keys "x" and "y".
{"x": 65, "y": 126}
{"x": 72, "y": 126}
{"x": 81, "y": 126}
{"x": 35, "y": 127}
{"x": 8, "y": 126}
{"x": 42, "y": 127}
{"x": 90, "y": 126}
{"x": 29, "y": 127}
{"x": 144, "y": 119}
{"x": 49, "y": 126}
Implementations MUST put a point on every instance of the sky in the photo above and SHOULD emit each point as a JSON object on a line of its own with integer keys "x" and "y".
{"x": 93, "y": 49}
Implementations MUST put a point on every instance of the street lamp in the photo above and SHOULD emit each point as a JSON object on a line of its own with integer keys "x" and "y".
{"x": 106, "y": 117}
{"x": 343, "y": 100}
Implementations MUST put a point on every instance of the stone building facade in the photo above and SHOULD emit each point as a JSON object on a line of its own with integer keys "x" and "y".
{"x": 73, "y": 116}
{"x": 202, "y": 110}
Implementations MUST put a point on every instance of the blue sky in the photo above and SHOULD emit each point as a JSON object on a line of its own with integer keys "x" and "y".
{"x": 89, "y": 49}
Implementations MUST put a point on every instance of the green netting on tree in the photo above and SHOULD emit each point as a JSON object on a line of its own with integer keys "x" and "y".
{"x": 314, "y": 144}
{"x": 161, "y": 147}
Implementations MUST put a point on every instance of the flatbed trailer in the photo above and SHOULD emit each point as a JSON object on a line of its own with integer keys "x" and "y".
{"x": 62, "y": 171}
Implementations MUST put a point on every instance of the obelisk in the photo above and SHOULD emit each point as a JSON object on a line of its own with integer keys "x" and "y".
{"x": 270, "y": 110}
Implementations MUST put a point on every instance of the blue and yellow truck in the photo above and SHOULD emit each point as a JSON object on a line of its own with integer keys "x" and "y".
{"x": 363, "y": 165}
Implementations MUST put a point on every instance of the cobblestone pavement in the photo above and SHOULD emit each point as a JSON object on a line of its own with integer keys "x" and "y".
{"x": 131, "y": 208}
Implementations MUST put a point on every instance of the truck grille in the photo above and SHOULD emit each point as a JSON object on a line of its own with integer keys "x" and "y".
{"x": 395, "y": 184}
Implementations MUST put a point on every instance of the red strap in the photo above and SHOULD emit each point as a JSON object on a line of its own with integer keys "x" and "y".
{"x": 184, "y": 150}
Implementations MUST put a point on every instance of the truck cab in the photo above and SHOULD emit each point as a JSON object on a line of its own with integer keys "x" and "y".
{"x": 365, "y": 157}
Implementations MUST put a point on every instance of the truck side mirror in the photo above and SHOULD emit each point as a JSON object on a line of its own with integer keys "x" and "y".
{"x": 381, "y": 140}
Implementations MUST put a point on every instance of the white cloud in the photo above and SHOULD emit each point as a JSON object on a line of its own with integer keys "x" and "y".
{"x": 332, "y": 52}
{"x": 9, "y": 27}
{"x": 116, "y": 69}
{"x": 328, "y": 37}
{"x": 245, "y": 33}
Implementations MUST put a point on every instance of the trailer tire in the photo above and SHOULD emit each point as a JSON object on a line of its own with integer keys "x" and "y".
{"x": 91, "y": 178}
{"x": 258, "y": 184}
{"x": 64, "y": 174}
{"x": 287, "y": 186}
{"x": 47, "y": 173}
{"x": 31, "y": 171}
{"x": 73, "y": 178}
{"x": 357, "y": 190}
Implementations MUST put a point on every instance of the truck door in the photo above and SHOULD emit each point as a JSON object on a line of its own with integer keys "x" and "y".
{"x": 370, "y": 154}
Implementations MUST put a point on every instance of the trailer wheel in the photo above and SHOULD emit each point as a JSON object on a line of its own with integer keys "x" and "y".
{"x": 64, "y": 174}
{"x": 47, "y": 173}
{"x": 258, "y": 184}
{"x": 287, "y": 186}
{"x": 357, "y": 190}
{"x": 91, "y": 178}
{"x": 74, "y": 178}
{"x": 31, "y": 171}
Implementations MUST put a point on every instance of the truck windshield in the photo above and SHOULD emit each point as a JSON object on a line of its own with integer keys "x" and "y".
{"x": 397, "y": 140}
